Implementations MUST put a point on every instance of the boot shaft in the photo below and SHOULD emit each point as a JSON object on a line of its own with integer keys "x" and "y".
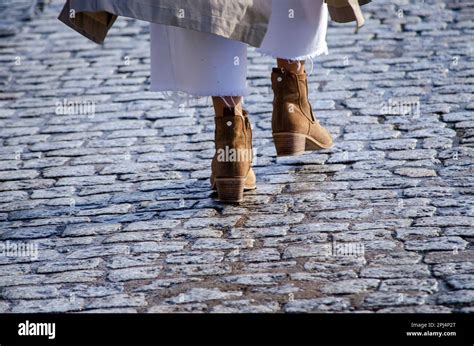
{"x": 233, "y": 144}
{"x": 232, "y": 130}
{"x": 292, "y": 111}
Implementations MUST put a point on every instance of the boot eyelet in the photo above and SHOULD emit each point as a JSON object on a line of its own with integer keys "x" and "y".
{"x": 279, "y": 79}
{"x": 229, "y": 123}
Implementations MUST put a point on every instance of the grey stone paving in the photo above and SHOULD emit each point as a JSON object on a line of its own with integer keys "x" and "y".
{"x": 116, "y": 197}
{"x": 13, "y": 13}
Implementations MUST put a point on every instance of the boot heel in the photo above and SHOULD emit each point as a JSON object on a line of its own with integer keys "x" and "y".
{"x": 230, "y": 189}
{"x": 289, "y": 144}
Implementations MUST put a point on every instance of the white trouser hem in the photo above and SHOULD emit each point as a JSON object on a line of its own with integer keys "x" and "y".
{"x": 322, "y": 50}
{"x": 200, "y": 93}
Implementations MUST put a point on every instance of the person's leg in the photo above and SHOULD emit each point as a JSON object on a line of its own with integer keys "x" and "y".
{"x": 222, "y": 102}
{"x": 204, "y": 64}
{"x": 231, "y": 166}
{"x": 295, "y": 128}
{"x": 297, "y": 30}
{"x": 291, "y": 65}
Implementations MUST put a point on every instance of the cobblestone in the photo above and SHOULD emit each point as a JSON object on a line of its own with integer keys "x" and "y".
{"x": 119, "y": 203}
{"x": 396, "y": 271}
{"x": 196, "y": 295}
{"x": 327, "y": 304}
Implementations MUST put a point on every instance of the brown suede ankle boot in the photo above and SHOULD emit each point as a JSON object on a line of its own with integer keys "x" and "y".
{"x": 295, "y": 128}
{"x": 232, "y": 162}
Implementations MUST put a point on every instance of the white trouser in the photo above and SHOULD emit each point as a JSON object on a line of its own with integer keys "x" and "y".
{"x": 203, "y": 64}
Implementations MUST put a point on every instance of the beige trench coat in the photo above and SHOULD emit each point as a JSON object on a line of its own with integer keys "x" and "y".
{"x": 241, "y": 20}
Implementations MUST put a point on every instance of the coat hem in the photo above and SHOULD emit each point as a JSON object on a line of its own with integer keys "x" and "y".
{"x": 250, "y": 34}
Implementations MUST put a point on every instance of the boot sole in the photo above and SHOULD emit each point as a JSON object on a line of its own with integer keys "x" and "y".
{"x": 293, "y": 144}
{"x": 230, "y": 189}
{"x": 246, "y": 187}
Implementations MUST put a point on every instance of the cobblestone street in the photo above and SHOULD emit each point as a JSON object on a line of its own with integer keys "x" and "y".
{"x": 119, "y": 204}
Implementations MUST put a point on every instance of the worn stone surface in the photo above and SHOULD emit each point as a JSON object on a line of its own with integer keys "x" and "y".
{"x": 196, "y": 295}
{"x": 118, "y": 202}
{"x": 327, "y": 304}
